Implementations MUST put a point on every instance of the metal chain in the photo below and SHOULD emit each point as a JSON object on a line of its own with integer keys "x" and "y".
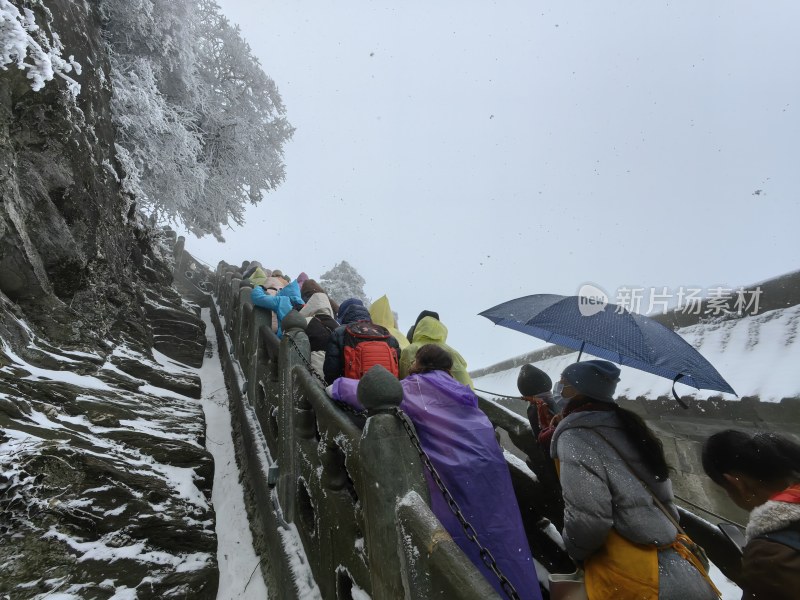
{"x": 347, "y": 408}
{"x": 499, "y": 395}
{"x": 469, "y": 530}
{"x": 306, "y": 362}
{"x": 310, "y": 369}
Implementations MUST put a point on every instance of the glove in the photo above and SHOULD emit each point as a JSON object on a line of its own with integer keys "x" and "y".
{"x": 329, "y": 391}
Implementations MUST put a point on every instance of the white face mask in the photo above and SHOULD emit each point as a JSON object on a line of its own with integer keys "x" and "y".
{"x": 560, "y": 400}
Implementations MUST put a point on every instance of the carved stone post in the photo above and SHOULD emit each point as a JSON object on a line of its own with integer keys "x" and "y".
{"x": 390, "y": 469}
{"x": 222, "y": 297}
{"x": 231, "y": 297}
{"x": 242, "y": 299}
{"x": 254, "y": 355}
{"x": 291, "y": 414}
{"x": 222, "y": 270}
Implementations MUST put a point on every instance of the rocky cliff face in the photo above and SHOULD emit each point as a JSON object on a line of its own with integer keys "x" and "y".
{"x": 69, "y": 236}
{"x": 104, "y": 477}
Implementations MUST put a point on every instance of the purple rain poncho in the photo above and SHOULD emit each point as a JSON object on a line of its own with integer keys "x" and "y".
{"x": 460, "y": 441}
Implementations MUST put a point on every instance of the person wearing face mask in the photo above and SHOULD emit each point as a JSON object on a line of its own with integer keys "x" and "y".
{"x": 534, "y": 386}
{"x": 761, "y": 474}
{"x": 548, "y": 407}
{"x": 620, "y": 519}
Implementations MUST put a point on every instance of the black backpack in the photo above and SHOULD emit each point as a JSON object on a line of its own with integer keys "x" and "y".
{"x": 319, "y": 331}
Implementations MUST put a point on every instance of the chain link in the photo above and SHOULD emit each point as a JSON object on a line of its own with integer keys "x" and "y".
{"x": 469, "y": 530}
{"x": 306, "y": 362}
{"x": 310, "y": 369}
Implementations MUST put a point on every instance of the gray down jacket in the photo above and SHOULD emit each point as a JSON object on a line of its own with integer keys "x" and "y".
{"x": 601, "y": 492}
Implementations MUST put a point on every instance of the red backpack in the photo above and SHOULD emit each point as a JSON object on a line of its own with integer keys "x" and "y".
{"x": 367, "y": 345}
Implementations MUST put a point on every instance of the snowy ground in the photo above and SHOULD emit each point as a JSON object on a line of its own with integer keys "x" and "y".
{"x": 239, "y": 570}
{"x": 729, "y": 590}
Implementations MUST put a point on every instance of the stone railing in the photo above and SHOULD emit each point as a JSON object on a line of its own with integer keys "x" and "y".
{"x": 350, "y": 487}
{"x": 346, "y": 494}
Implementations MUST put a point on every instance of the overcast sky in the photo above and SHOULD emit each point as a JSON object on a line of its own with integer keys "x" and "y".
{"x": 463, "y": 153}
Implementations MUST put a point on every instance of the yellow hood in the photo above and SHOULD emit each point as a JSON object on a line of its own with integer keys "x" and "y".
{"x": 381, "y": 314}
{"x": 430, "y": 330}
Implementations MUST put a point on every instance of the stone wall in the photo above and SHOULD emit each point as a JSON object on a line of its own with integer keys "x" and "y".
{"x": 683, "y": 431}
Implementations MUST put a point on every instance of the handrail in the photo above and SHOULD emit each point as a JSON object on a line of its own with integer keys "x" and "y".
{"x": 447, "y": 572}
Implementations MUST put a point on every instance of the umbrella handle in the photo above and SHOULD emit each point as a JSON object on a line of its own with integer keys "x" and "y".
{"x": 675, "y": 394}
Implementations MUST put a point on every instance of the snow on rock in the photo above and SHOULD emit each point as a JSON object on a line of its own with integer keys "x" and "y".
{"x": 27, "y": 45}
{"x": 105, "y": 491}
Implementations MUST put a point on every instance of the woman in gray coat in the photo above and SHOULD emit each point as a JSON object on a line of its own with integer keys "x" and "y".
{"x": 612, "y": 470}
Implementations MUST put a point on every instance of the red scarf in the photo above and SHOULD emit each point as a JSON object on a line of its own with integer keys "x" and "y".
{"x": 546, "y": 434}
{"x": 790, "y": 494}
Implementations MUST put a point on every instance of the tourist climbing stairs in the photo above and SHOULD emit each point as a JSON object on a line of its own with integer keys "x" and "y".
{"x": 343, "y": 495}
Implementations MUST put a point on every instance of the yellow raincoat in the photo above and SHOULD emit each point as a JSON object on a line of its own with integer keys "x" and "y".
{"x": 433, "y": 331}
{"x": 381, "y": 314}
{"x": 258, "y": 277}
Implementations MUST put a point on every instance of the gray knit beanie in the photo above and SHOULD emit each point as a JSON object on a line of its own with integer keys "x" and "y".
{"x": 596, "y": 379}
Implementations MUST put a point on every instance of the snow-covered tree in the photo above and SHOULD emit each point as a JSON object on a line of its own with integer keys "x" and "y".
{"x": 200, "y": 126}
{"x": 34, "y": 47}
{"x": 343, "y": 282}
{"x": 157, "y": 143}
{"x": 242, "y": 120}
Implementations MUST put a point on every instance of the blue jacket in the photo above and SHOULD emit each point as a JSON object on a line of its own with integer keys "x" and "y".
{"x": 281, "y": 304}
